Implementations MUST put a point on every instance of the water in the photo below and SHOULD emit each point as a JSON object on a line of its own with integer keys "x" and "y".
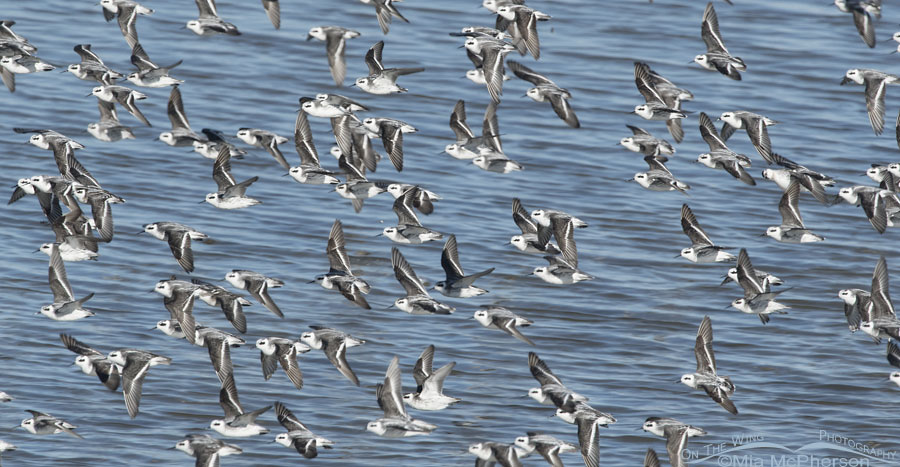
{"x": 623, "y": 339}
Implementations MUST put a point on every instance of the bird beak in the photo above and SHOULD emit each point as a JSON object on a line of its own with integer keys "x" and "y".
{"x": 310, "y": 282}
{"x": 677, "y": 381}
{"x": 309, "y": 37}
{"x": 762, "y": 234}
{"x": 35, "y": 251}
{"x": 151, "y": 329}
{"x": 201, "y": 202}
{"x": 845, "y": 80}
{"x": 89, "y": 94}
{"x": 138, "y": 233}
{"x": 285, "y": 175}
{"x": 632, "y": 112}
{"x": 379, "y": 235}
{"x": 727, "y": 307}
{"x": 725, "y": 281}
{"x": 678, "y": 256}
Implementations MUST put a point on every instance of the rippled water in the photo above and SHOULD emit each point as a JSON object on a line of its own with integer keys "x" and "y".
{"x": 622, "y": 339}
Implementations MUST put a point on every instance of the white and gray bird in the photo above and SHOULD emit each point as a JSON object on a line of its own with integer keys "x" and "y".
{"x": 589, "y": 420}
{"x": 549, "y": 447}
{"x": 278, "y": 350}
{"x": 91, "y": 67}
{"x": 126, "y": 97}
{"x": 498, "y": 317}
{"x": 655, "y": 106}
{"x": 552, "y": 391}
{"x": 258, "y": 285}
{"x": 429, "y": 393}
{"x": 860, "y": 10}
{"x": 792, "y": 229}
{"x": 334, "y": 343}
{"x": 717, "y": 387}
{"x": 560, "y": 271}
{"x": 93, "y": 362}
{"x": 658, "y": 177}
{"x": 179, "y": 237}
{"x": 45, "y": 424}
{"x": 150, "y": 74}
{"x": 218, "y": 344}
{"x": 237, "y": 422}
{"x": 232, "y": 304}
{"x": 206, "y": 449}
{"x": 230, "y": 193}
{"x": 335, "y": 38}
{"x": 409, "y": 230}
{"x": 535, "y": 237}
{"x": 382, "y": 80}
{"x": 385, "y": 11}
{"x": 309, "y": 171}
{"x": 134, "y": 366}
{"x": 298, "y": 436}
{"x": 108, "y": 128}
{"x": 417, "y": 300}
{"x": 525, "y": 20}
{"x": 876, "y": 86}
{"x": 717, "y": 56}
{"x": 490, "y": 453}
{"x": 209, "y": 23}
{"x": 546, "y": 90}
{"x": 181, "y": 133}
{"x": 757, "y": 129}
{"x": 643, "y": 142}
{"x": 719, "y": 155}
{"x": 267, "y": 140}
{"x": 457, "y": 283}
{"x": 702, "y": 249}
{"x": 758, "y": 297}
{"x": 878, "y": 318}
{"x": 396, "y": 422}
{"x": 64, "y": 307}
{"x": 339, "y": 276}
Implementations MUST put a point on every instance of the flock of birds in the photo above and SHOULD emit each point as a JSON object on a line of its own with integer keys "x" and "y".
{"x": 547, "y": 232}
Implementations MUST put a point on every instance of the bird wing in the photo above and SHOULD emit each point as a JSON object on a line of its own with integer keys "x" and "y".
{"x": 405, "y": 274}
{"x": 692, "y": 228}
{"x": 56, "y": 275}
{"x": 373, "y": 57}
{"x": 789, "y": 206}
{"x": 709, "y": 31}
{"x": 336, "y": 250}
{"x": 703, "y": 351}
